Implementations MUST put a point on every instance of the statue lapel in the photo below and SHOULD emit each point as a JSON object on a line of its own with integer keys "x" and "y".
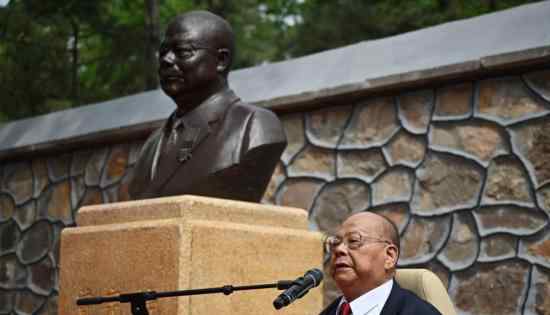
{"x": 179, "y": 154}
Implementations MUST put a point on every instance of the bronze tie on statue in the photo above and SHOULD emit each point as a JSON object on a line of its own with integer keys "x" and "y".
{"x": 173, "y": 138}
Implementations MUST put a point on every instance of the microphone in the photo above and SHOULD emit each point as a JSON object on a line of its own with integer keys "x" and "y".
{"x": 299, "y": 288}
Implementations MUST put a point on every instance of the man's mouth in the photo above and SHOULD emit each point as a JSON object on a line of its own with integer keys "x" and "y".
{"x": 341, "y": 265}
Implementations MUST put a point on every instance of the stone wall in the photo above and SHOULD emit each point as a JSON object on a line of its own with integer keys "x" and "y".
{"x": 460, "y": 168}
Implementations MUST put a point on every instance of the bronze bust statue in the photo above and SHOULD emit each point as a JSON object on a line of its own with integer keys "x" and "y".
{"x": 213, "y": 144}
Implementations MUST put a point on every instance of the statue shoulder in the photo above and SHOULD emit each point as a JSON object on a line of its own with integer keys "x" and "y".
{"x": 262, "y": 126}
{"x": 262, "y": 117}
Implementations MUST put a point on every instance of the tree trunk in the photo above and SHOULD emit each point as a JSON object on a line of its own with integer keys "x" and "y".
{"x": 152, "y": 43}
{"x": 75, "y": 84}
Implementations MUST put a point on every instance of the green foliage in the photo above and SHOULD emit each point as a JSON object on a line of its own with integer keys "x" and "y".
{"x": 330, "y": 24}
{"x": 60, "y": 54}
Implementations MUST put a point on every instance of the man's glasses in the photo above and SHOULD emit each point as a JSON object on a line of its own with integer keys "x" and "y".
{"x": 352, "y": 241}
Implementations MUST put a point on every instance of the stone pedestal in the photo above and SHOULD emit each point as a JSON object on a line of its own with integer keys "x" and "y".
{"x": 187, "y": 242}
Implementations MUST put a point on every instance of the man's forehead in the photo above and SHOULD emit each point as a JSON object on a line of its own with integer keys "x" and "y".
{"x": 363, "y": 222}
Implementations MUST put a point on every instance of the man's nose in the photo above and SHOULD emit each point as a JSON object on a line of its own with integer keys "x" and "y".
{"x": 339, "y": 249}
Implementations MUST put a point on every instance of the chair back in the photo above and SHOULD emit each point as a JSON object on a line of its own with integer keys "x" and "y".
{"x": 427, "y": 286}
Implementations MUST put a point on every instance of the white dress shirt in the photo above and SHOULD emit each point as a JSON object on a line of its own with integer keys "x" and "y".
{"x": 370, "y": 303}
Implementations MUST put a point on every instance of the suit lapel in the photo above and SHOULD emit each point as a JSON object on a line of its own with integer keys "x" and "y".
{"x": 156, "y": 155}
{"x": 331, "y": 309}
{"x": 394, "y": 302}
{"x": 170, "y": 157}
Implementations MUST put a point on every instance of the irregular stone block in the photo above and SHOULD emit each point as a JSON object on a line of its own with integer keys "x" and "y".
{"x": 27, "y": 302}
{"x": 474, "y": 139}
{"x": 9, "y": 236}
{"x": 57, "y": 203}
{"x": 94, "y": 167}
{"x": 314, "y": 162}
{"x": 7, "y": 207}
{"x": 42, "y": 277}
{"x": 13, "y": 274}
{"x": 336, "y": 201}
{"x": 506, "y": 100}
{"x": 398, "y": 213}
{"x": 395, "y": 185}
{"x": 532, "y": 142}
{"x": 462, "y": 246}
{"x": 299, "y": 192}
{"x": 415, "y": 110}
{"x": 115, "y": 166}
{"x": 26, "y": 215}
{"x": 539, "y": 291}
{"x": 497, "y": 247}
{"x": 79, "y": 162}
{"x": 543, "y": 198}
{"x": 54, "y": 252}
{"x": 135, "y": 149}
{"x": 35, "y": 243}
{"x": 18, "y": 181}
{"x": 324, "y": 127}
{"x": 276, "y": 179}
{"x": 58, "y": 167}
{"x": 363, "y": 164}
{"x": 110, "y": 194}
{"x": 123, "y": 192}
{"x": 405, "y": 149}
{"x": 78, "y": 189}
{"x": 492, "y": 289}
{"x": 7, "y": 300}
{"x": 423, "y": 238}
{"x": 536, "y": 249}
{"x": 509, "y": 219}
{"x": 445, "y": 183}
{"x": 373, "y": 123}
{"x": 506, "y": 182}
{"x": 41, "y": 176}
{"x": 539, "y": 81}
{"x": 93, "y": 196}
{"x": 293, "y": 125}
{"x": 454, "y": 101}
{"x": 50, "y": 308}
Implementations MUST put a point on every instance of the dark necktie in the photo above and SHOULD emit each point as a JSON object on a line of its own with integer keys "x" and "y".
{"x": 345, "y": 309}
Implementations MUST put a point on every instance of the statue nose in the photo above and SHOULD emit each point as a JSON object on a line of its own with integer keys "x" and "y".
{"x": 168, "y": 58}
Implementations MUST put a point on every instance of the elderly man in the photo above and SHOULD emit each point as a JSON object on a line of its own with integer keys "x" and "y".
{"x": 363, "y": 256}
{"x": 213, "y": 144}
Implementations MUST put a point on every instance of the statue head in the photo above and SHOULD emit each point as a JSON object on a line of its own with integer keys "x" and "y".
{"x": 195, "y": 57}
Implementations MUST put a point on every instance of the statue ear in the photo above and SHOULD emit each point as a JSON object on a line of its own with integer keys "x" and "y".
{"x": 224, "y": 59}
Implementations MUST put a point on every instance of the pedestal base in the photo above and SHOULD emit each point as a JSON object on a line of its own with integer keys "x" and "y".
{"x": 187, "y": 242}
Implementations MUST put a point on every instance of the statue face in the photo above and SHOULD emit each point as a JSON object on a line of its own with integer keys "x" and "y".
{"x": 187, "y": 61}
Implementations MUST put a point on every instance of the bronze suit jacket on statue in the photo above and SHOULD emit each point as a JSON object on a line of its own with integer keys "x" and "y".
{"x": 228, "y": 149}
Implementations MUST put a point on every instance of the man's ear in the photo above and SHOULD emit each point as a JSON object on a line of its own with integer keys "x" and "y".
{"x": 392, "y": 253}
{"x": 224, "y": 60}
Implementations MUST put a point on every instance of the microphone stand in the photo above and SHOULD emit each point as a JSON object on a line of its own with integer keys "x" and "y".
{"x": 139, "y": 307}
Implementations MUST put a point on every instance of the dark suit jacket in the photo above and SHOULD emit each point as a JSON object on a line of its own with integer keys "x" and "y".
{"x": 228, "y": 149}
{"x": 400, "y": 302}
